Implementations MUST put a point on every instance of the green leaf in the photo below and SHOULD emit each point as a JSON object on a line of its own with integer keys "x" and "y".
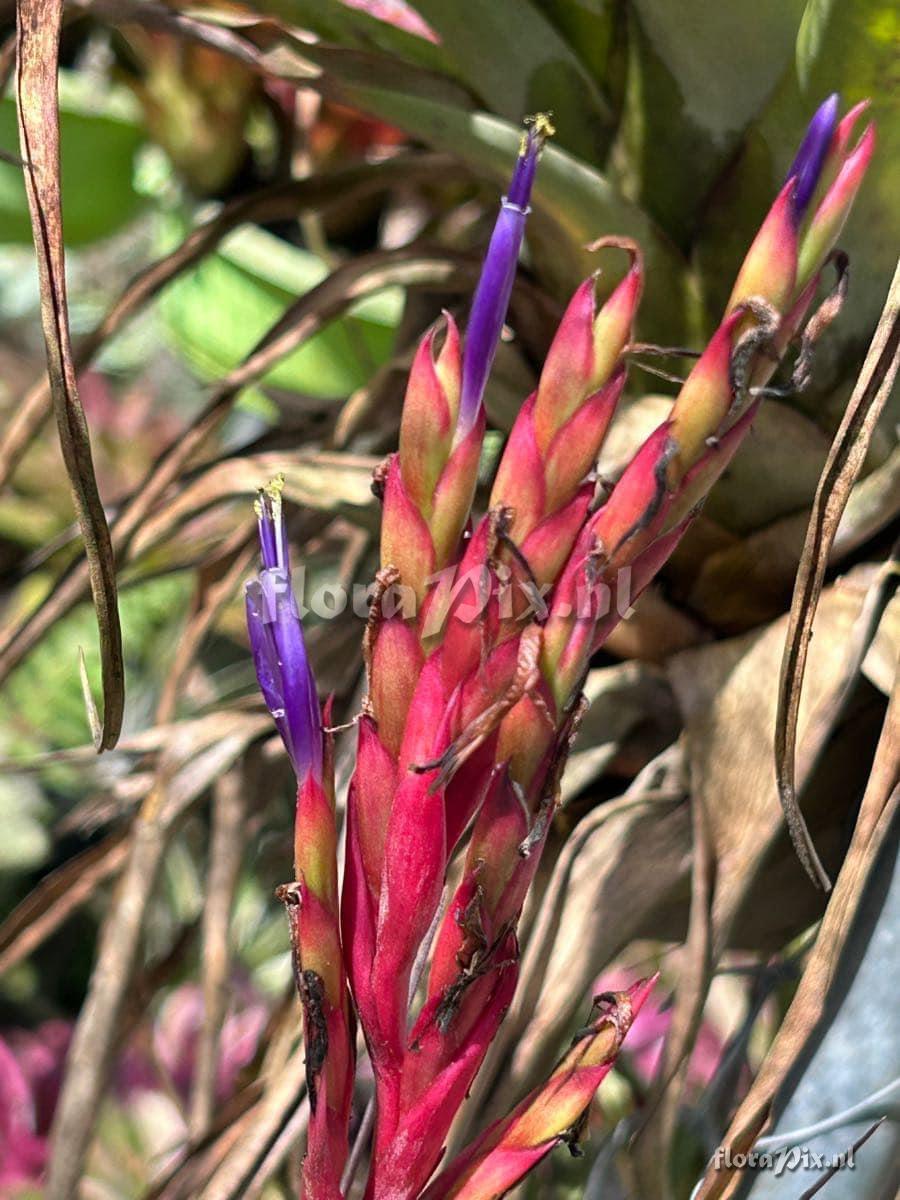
{"x": 98, "y": 148}
{"x": 573, "y": 203}
{"x": 217, "y": 312}
{"x": 700, "y": 73}
{"x": 851, "y": 47}
{"x": 854, "y": 47}
{"x": 354, "y": 28}
{"x": 588, "y": 27}
{"x": 517, "y": 63}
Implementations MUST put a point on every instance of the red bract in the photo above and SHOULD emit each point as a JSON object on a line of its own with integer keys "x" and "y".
{"x": 551, "y": 1114}
{"x": 480, "y": 636}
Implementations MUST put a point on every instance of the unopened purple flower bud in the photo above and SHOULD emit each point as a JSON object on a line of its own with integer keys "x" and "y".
{"x": 494, "y": 288}
{"x": 807, "y": 166}
{"x": 276, "y": 642}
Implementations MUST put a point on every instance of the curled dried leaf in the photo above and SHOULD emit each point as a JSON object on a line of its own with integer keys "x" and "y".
{"x": 844, "y": 463}
{"x": 39, "y": 27}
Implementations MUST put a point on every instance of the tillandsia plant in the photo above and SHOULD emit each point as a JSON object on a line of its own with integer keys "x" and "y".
{"x": 478, "y": 642}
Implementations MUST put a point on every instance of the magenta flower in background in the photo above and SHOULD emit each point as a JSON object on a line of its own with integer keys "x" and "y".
{"x": 23, "y": 1151}
{"x": 41, "y": 1054}
{"x": 177, "y": 1030}
{"x": 32, "y": 1063}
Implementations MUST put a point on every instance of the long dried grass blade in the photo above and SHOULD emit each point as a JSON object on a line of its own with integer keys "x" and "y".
{"x": 844, "y": 463}
{"x": 39, "y": 24}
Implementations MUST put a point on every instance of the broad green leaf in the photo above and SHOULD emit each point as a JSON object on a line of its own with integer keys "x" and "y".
{"x": 354, "y": 28}
{"x": 516, "y": 63}
{"x": 851, "y": 47}
{"x": 217, "y": 312}
{"x": 700, "y": 73}
{"x": 573, "y": 203}
{"x": 854, "y": 47}
{"x": 98, "y": 147}
{"x": 588, "y": 26}
{"x": 537, "y": 70}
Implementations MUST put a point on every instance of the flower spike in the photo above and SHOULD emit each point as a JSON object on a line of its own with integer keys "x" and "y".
{"x": 474, "y": 689}
{"x": 311, "y": 900}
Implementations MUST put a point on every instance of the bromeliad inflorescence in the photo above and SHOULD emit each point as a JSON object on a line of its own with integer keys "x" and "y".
{"x": 473, "y": 697}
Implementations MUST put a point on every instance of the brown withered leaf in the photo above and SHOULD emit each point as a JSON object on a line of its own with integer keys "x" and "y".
{"x": 845, "y": 460}
{"x": 39, "y": 24}
{"x": 202, "y": 730}
{"x": 728, "y": 698}
{"x": 749, "y": 582}
{"x": 226, "y": 851}
{"x": 195, "y": 1163}
{"x": 328, "y": 482}
{"x": 621, "y": 698}
{"x": 215, "y": 585}
{"x": 184, "y": 1177}
{"x": 881, "y": 658}
{"x": 652, "y": 1158}
{"x": 811, "y": 1001}
{"x": 655, "y": 630}
{"x": 775, "y": 473}
{"x": 273, "y": 1112}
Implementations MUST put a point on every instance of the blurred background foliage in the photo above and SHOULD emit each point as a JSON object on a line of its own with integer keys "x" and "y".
{"x": 226, "y": 168}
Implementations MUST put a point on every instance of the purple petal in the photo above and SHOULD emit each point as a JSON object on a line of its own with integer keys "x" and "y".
{"x": 494, "y": 288}
{"x": 301, "y": 708}
{"x": 807, "y": 166}
{"x": 265, "y": 655}
{"x": 276, "y": 640}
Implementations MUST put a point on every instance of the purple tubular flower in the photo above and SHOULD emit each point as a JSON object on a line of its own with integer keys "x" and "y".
{"x": 497, "y": 274}
{"x": 524, "y": 171}
{"x": 807, "y": 166}
{"x": 276, "y": 642}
